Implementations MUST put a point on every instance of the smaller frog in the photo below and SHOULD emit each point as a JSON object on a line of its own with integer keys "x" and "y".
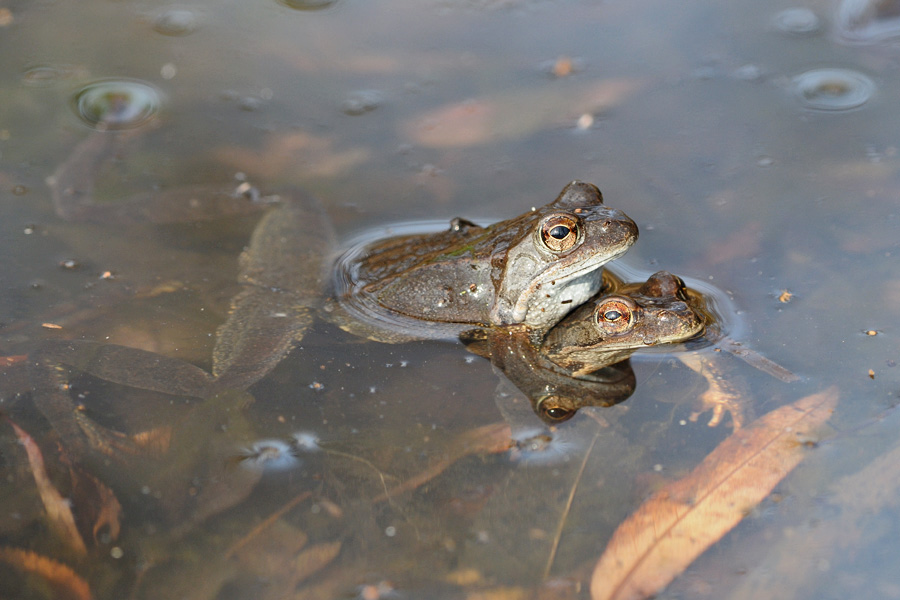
{"x": 626, "y": 317}
{"x": 580, "y": 361}
{"x": 632, "y": 316}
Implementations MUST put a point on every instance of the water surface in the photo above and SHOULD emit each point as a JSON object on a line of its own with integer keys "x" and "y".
{"x": 686, "y": 115}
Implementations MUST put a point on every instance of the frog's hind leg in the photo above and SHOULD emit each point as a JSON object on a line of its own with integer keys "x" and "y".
{"x": 283, "y": 274}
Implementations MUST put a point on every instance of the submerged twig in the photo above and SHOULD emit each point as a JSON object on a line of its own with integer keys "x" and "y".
{"x": 267, "y": 522}
{"x": 568, "y": 507}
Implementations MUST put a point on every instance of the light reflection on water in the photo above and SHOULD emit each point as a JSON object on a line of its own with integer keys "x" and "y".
{"x": 696, "y": 132}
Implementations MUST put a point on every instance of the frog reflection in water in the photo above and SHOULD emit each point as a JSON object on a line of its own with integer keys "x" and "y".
{"x": 529, "y": 270}
{"x": 580, "y": 361}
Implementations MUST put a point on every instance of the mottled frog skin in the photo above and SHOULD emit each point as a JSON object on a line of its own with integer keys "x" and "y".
{"x": 612, "y": 326}
{"x": 529, "y": 270}
{"x": 582, "y": 360}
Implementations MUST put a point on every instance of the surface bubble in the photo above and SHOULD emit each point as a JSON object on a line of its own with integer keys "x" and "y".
{"x": 797, "y": 21}
{"x": 117, "y": 103}
{"x": 42, "y": 75}
{"x": 175, "y": 22}
{"x": 269, "y": 455}
{"x": 867, "y": 21}
{"x": 361, "y": 102}
{"x": 833, "y": 89}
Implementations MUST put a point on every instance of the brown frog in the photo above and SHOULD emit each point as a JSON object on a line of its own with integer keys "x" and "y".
{"x": 580, "y": 361}
{"x": 628, "y": 316}
{"x": 532, "y": 269}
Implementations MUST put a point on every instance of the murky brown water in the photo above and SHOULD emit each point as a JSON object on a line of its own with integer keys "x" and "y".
{"x": 711, "y": 124}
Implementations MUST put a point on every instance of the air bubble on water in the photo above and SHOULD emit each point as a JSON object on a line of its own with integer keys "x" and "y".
{"x": 362, "y": 101}
{"x": 175, "y": 22}
{"x": 269, "y": 455}
{"x": 117, "y": 103}
{"x": 748, "y": 72}
{"x": 797, "y": 21}
{"x": 43, "y": 75}
{"x": 306, "y": 441}
{"x": 832, "y": 89}
{"x": 867, "y": 21}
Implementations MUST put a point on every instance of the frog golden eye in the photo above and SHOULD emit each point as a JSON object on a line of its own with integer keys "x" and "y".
{"x": 559, "y": 233}
{"x": 614, "y": 315}
{"x": 550, "y": 409}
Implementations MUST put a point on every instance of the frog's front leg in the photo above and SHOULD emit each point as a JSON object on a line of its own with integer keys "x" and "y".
{"x": 283, "y": 276}
{"x": 725, "y": 392}
{"x": 73, "y": 184}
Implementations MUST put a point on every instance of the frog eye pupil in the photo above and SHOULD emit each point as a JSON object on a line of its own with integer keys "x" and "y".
{"x": 614, "y": 316}
{"x": 559, "y": 232}
{"x": 556, "y": 413}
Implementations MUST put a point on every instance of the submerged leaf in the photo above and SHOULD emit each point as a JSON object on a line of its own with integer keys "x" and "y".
{"x": 682, "y": 520}
{"x": 59, "y": 513}
{"x": 66, "y": 584}
{"x": 314, "y": 559}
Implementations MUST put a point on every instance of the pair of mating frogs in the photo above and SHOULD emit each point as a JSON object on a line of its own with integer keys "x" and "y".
{"x": 529, "y": 292}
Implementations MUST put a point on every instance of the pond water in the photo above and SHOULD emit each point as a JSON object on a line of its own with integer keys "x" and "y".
{"x": 755, "y": 144}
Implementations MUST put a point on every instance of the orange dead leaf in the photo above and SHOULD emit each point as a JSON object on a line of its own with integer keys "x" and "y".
{"x": 6, "y": 361}
{"x": 59, "y": 514}
{"x": 742, "y": 243}
{"x": 490, "y": 439}
{"x": 514, "y": 114}
{"x": 682, "y": 520}
{"x": 283, "y": 151}
{"x": 455, "y": 125}
{"x": 66, "y": 584}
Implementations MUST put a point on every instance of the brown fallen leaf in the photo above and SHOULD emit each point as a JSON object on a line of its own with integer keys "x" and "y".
{"x": 59, "y": 514}
{"x": 281, "y": 152}
{"x": 95, "y": 504}
{"x": 64, "y": 582}
{"x": 514, "y": 114}
{"x": 314, "y": 559}
{"x": 678, "y": 523}
{"x": 6, "y": 361}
